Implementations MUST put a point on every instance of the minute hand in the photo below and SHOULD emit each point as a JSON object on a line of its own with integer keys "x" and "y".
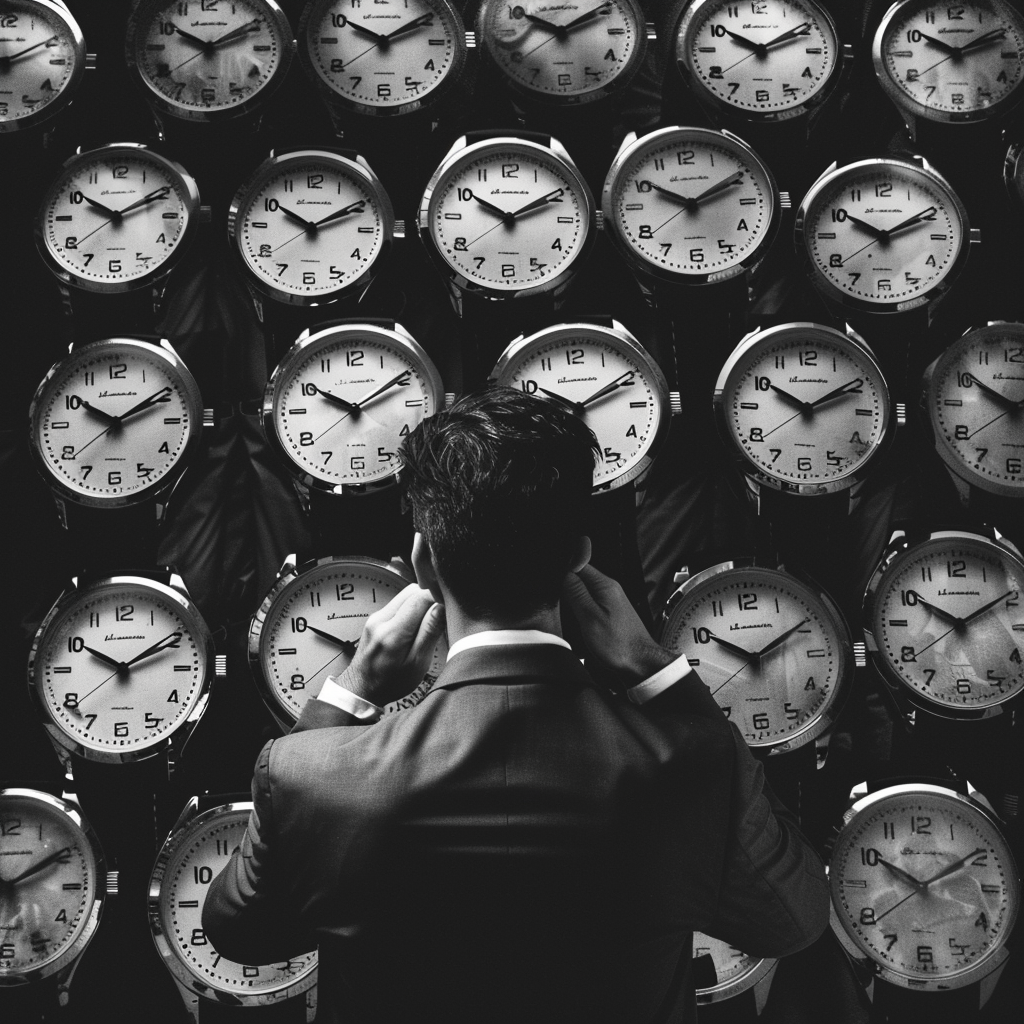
{"x": 781, "y": 638}
{"x": 987, "y": 607}
{"x": 793, "y": 33}
{"x": 955, "y": 866}
{"x": 910, "y": 221}
{"x": 983, "y": 40}
{"x": 619, "y": 382}
{"x": 836, "y": 392}
{"x": 399, "y": 380}
{"x": 554, "y": 196}
{"x": 594, "y": 12}
{"x": 733, "y": 179}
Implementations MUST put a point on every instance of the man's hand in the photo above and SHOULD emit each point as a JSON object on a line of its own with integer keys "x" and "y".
{"x": 395, "y": 647}
{"x": 620, "y": 651}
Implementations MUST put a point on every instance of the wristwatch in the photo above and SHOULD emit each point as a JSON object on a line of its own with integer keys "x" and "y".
{"x": 113, "y": 426}
{"x": 784, "y": 683}
{"x": 731, "y": 984}
{"x": 764, "y": 70}
{"x": 308, "y": 628}
{"x": 206, "y": 833}
{"x": 298, "y": 256}
{"x": 57, "y": 888}
{"x": 942, "y": 622}
{"x": 925, "y": 893}
{"x": 975, "y": 411}
{"x": 335, "y": 411}
{"x": 508, "y": 220}
{"x": 113, "y": 224}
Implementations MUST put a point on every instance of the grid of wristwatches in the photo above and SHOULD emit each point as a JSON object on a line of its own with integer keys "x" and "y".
{"x": 42, "y": 59}
{"x": 924, "y": 889}
{"x": 207, "y": 832}
{"x": 943, "y": 622}
{"x": 309, "y": 624}
{"x": 804, "y": 409}
{"x": 771, "y": 645}
{"x": 57, "y": 888}
{"x": 601, "y": 373}
{"x": 120, "y": 669}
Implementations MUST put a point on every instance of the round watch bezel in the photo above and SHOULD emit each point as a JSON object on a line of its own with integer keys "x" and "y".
{"x": 929, "y": 398}
{"x": 613, "y": 335}
{"x": 555, "y": 101}
{"x": 740, "y": 357}
{"x": 138, "y": 151}
{"x": 201, "y": 985}
{"x": 353, "y": 166}
{"x": 907, "y": 105}
{"x": 1013, "y": 172}
{"x": 861, "y": 953}
{"x": 106, "y": 886}
{"x": 159, "y": 102}
{"x": 691, "y": 14}
{"x": 827, "y": 182}
{"x": 431, "y": 99}
{"x": 645, "y": 268}
{"x": 899, "y": 549}
{"x": 846, "y": 661}
{"x": 398, "y": 337}
{"x": 189, "y": 388}
{"x": 67, "y": 94}
{"x": 465, "y": 152}
{"x": 200, "y": 634}
{"x": 759, "y": 969}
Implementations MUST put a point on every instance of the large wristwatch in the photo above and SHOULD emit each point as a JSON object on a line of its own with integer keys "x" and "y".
{"x": 732, "y": 986}
{"x": 213, "y": 988}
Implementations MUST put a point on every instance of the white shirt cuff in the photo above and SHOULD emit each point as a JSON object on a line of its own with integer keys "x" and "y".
{"x": 332, "y": 692}
{"x": 660, "y": 681}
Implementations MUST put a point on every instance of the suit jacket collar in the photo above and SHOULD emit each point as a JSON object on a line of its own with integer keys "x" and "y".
{"x": 542, "y": 662}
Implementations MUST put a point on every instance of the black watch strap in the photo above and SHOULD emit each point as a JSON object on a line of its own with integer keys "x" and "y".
{"x": 361, "y": 524}
{"x": 894, "y": 1005}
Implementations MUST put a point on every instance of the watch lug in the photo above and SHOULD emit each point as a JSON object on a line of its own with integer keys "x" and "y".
{"x": 190, "y": 999}
{"x": 821, "y": 749}
{"x": 628, "y": 141}
{"x": 188, "y": 812}
{"x": 175, "y": 582}
{"x": 989, "y": 982}
{"x": 289, "y": 564}
{"x": 762, "y": 988}
{"x": 682, "y": 576}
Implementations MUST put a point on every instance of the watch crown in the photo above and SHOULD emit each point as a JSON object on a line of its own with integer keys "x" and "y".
{"x": 470, "y": 38}
{"x": 208, "y": 417}
{"x": 652, "y": 32}
{"x": 785, "y": 201}
{"x": 90, "y": 62}
{"x": 205, "y": 215}
{"x": 113, "y": 882}
{"x": 449, "y": 399}
{"x": 399, "y": 231}
{"x": 675, "y": 403}
{"x": 599, "y": 220}
{"x": 220, "y": 665}
{"x": 901, "y": 414}
{"x": 975, "y": 236}
{"x": 860, "y": 654}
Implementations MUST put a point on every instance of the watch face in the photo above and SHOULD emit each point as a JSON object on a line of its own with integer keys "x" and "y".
{"x": 118, "y": 666}
{"x": 189, "y": 861}
{"x": 805, "y": 405}
{"x": 310, "y": 225}
{"x": 882, "y": 234}
{"x": 50, "y": 884}
{"x": 775, "y": 656}
{"x": 309, "y": 626}
{"x": 341, "y": 402}
{"x": 389, "y": 59}
{"x": 116, "y": 218}
{"x": 924, "y": 884}
{"x": 974, "y": 394}
{"x": 564, "y": 52}
{"x": 605, "y": 377}
{"x": 946, "y": 620}
{"x": 199, "y": 59}
{"x": 508, "y": 216}
{"x": 961, "y": 62}
{"x": 735, "y": 971}
{"x": 767, "y": 60}
{"x": 690, "y": 204}
{"x": 112, "y": 421}
{"x": 42, "y": 57}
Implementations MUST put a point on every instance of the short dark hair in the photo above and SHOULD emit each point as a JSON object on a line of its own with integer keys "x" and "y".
{"x": 499, "y": 486}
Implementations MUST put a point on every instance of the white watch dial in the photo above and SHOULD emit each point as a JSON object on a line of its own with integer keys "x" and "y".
{"x": 202, "y": 855}
{"x": 563, "y": 50}
{"x": 509, "y": 217}
{"x": 806, "y": 406}
{"x": 311, "y": 224}
{"x": 762, "y": 58}
{"x": 960, "y": 59}
{"x": 387, "y": 56}
{"x": 113, "y": 420}
{"x": 690, "y": 201}
{"x": 200, "y": 56}
{"x": 121, "y": 666}
{"x": 116, "y": 215}
{"x": 41, "y": 54}
{"x": 731, "y": 965}
{"x": 924, "y": 884}
{"x": 883, "y": 232}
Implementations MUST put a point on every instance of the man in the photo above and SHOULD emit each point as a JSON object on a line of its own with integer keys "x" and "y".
{"x": 525, "y": 845}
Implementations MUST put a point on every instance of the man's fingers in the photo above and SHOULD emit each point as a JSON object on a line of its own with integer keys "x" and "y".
{"x": 398, "y": 602}
{"x": 431, "y": 628}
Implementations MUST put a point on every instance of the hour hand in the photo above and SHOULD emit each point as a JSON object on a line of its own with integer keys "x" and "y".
{"x": 362, "y": 30}
{"x": 900, "y": 873}
{"x": 201, "y": 43}
{"x": 690, "y": 204}
{"x": 105, "y": 210}
{"x": 96, "y": 411}
{"x": 997, "y": 395}
{"x": 307, "y": 224}
{"x": 347, "y": 646}
{"x": 797, "y": 403}
{"x": 941, "y": 612}
{"x": 572, "y": 406}
{"x": 119, "y": 665}
{"x": 735, "y": 648}
{"x": 337, "y": 400}
{"x": 746, "y": 43}
{"x": 878, "y": 233}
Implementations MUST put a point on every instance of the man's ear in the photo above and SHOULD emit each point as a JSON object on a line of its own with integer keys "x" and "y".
{"x": 423, "y": 566}
{"x": 581, "y": 553}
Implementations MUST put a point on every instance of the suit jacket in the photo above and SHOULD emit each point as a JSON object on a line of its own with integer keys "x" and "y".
{"x": 520, "y": 847}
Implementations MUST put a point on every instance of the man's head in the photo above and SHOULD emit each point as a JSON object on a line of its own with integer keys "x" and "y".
{"x": 499, "y": 485}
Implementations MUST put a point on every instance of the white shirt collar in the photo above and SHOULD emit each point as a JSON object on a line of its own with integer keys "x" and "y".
{"x": 504, "y": 637}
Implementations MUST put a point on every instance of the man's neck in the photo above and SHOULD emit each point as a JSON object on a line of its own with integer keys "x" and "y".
{"x": 461, "y": 625}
